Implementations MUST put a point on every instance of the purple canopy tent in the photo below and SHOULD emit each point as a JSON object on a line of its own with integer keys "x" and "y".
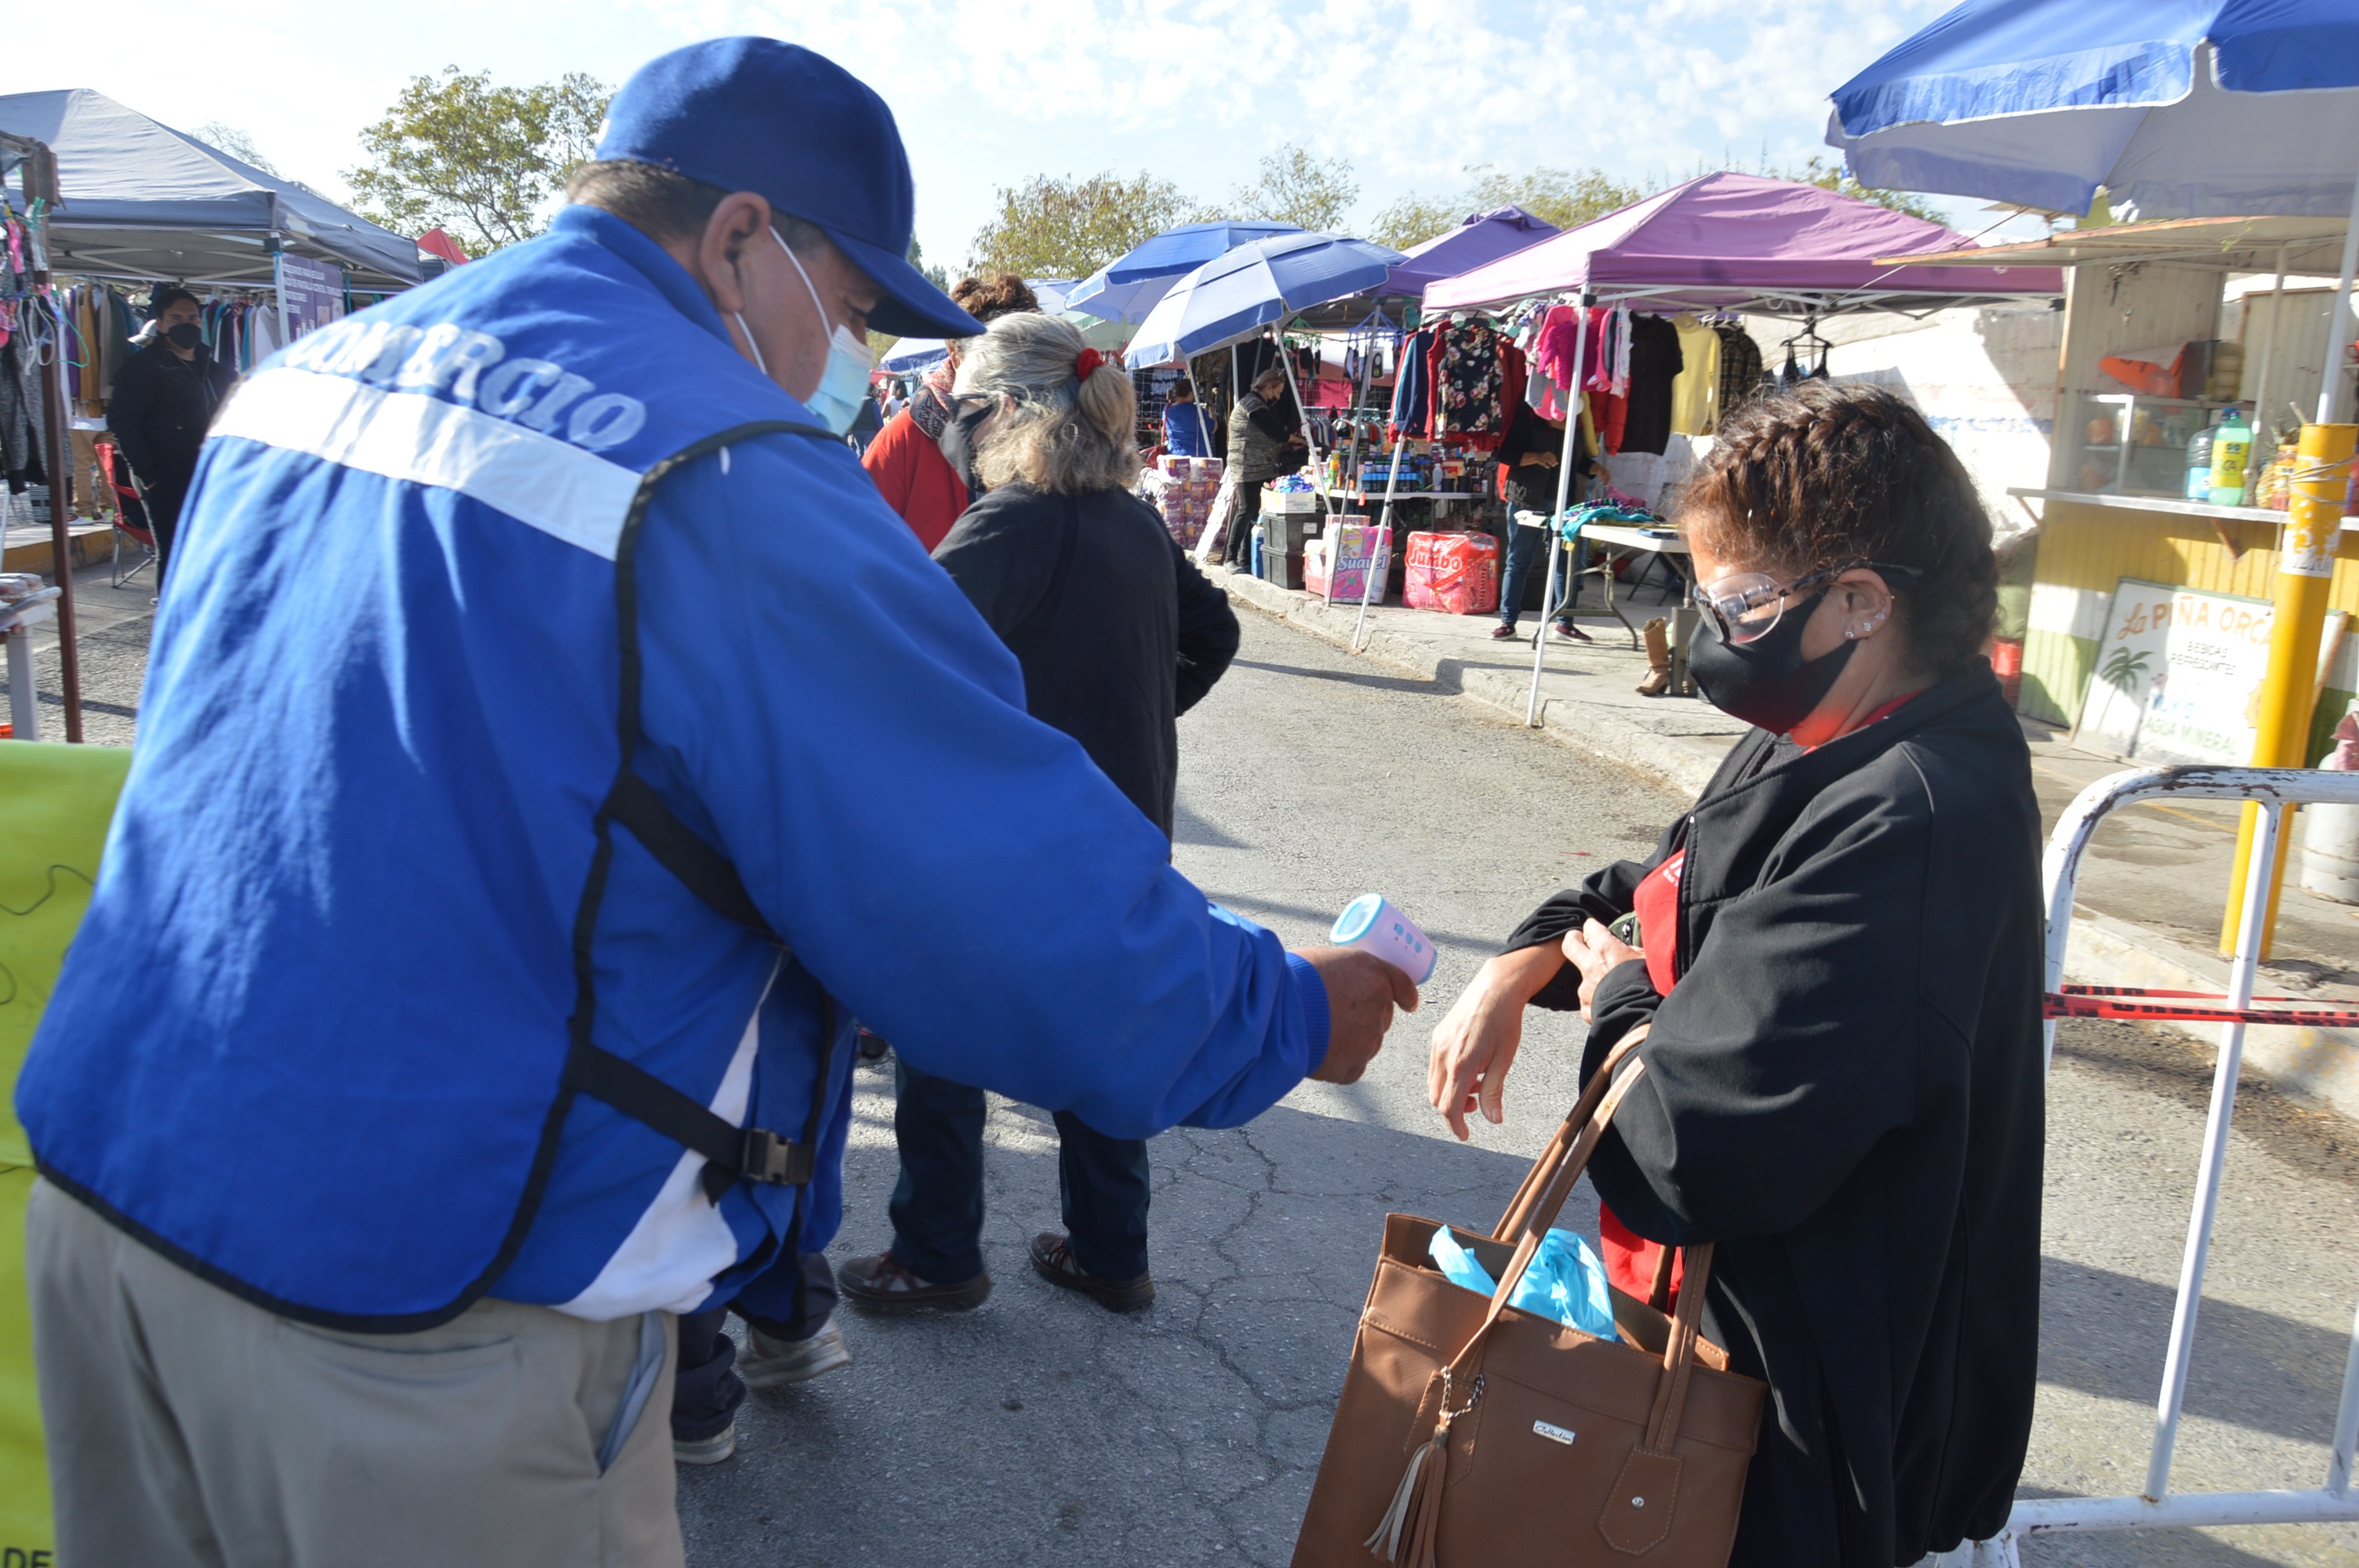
{"x": 1734, "y": 242}
{"x": 1730, "y": 241}
{"x": 1481, "y": 238}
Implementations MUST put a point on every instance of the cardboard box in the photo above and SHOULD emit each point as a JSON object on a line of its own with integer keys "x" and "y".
{"x": 1457, "y": 574}
{"x": 1291, "y": 502}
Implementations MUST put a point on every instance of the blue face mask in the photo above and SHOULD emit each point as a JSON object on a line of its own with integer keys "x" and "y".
{"x": 845, "y": 382}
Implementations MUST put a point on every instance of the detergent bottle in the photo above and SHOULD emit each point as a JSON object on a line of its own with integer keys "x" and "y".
{"x": 2199, "y": 465}
{"x": 2231, "y": 443}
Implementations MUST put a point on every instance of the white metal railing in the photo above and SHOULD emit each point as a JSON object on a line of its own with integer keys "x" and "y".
{"x": 2274, "y": 790}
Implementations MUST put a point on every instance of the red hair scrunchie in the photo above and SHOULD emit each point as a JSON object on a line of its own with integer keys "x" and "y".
{"x": 1086, "y": 363}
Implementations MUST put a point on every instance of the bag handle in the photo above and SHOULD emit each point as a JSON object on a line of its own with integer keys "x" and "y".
{"x": 1678, "y": 1355}
{"x": 1551, "y": 1200}
{"x": 1535, "y": 1181}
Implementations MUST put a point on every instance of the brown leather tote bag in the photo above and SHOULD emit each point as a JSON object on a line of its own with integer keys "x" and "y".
{"x": 1470, "y": 1432}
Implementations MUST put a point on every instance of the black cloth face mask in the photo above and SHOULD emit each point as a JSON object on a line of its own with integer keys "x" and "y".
{"x": 957, "y": 441}
{"x": 186, "y": 336}
{"x": 1766, "y": 682}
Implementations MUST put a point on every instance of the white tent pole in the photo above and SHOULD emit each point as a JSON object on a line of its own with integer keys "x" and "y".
{"x": 1550, "y": 541}
{"x": 1384, "y": 532}
{"x": 2338, "y": 334}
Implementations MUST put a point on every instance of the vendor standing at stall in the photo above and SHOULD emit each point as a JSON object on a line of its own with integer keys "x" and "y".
{"x": 1262, "y": 446}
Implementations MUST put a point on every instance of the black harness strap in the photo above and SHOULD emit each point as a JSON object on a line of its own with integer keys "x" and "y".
{"x": 707, "y": 871}
{"x": 731, "y": 1153}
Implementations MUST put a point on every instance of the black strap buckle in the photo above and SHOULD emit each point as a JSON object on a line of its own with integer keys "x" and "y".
{"x": 770, "y": 1158}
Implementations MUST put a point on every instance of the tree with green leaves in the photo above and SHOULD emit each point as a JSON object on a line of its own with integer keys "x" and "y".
{"x": 480, "y": 160}
{"x": 1566, "y": 197}
{"x": 1838, "y": 178}
{"x": 1049, "y": 227}
{"x": 238, "y": 144}
{"x": 1298, "y": 188}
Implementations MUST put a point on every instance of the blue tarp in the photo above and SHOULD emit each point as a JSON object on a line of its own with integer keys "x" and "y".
{"x": 141, "y": 200}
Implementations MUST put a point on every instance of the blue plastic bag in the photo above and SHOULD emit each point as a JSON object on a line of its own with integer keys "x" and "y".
{"x": 1565, "y": 1281}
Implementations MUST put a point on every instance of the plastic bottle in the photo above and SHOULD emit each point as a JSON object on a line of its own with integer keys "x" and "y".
{"x": 2231, "y": 443}
{"x": 2199, "y": 466}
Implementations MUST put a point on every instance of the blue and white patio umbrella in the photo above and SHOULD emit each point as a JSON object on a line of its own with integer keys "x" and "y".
{"x": 1255, "y": 285}
{"x": 1127, "y": 289}
{"x": 2177, "y": 108}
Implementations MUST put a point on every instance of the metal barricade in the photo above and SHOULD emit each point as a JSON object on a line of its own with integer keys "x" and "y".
{"x": 2273, "y": 789}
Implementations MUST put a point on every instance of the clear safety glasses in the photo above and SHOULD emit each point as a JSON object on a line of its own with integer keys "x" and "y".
{"x": 1746, "y": 605}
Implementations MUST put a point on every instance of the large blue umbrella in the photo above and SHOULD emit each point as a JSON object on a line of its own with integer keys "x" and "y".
{"x": 2178, "y": 108}
{"x": 1255, "y": 285}
{"x": 1126, "y": 289}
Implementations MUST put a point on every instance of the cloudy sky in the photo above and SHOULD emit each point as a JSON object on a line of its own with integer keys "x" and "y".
{"x": 990, "y": 92}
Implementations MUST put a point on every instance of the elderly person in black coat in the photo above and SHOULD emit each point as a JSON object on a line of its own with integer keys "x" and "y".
{"x": 1839, "y": 953}
{"x": 1118, "y": 636}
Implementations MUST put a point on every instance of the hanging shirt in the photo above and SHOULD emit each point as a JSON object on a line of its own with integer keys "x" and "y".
{"x": 1655, "y": 364}
{"x": 1694, "y": 394}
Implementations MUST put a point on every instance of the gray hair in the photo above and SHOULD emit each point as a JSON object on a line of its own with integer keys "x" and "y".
{"x": 1056, "y": 430}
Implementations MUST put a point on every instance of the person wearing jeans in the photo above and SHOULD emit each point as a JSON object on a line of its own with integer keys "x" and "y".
{"x": 1118, "y": 634}
{"x": 1528, "y": 460}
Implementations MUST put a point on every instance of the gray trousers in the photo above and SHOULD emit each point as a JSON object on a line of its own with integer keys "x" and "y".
{"x": 191, "y": 1429}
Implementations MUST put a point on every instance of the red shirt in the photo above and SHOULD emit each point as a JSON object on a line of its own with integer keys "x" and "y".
{"x": 915, "y": 479}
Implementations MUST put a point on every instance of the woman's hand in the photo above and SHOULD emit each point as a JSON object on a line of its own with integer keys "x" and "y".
{"x": 1594, "y": 950}
{"x": 1477, "y": 1042}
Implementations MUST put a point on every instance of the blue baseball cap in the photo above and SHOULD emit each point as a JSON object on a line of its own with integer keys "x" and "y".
{"x": 804, "y": 134}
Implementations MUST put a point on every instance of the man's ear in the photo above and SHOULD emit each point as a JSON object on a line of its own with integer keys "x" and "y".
{"x": 736, "y": 222}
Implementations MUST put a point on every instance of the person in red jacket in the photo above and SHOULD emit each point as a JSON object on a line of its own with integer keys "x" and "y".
{"x": 905, "y": 458}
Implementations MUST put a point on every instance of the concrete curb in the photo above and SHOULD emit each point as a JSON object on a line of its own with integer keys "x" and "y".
{"x": 2322, "y": 1064}
{"x": 1684, "y": 762}
{"x": 88, "y": 542}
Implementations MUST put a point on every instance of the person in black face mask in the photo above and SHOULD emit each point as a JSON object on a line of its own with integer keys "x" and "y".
{"x": 163, "y": 400}
{"x": 1833, "y": 983}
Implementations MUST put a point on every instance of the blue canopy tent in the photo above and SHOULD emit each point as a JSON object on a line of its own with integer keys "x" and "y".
{"x": 142, "y": 201}
{"x": 1231, "y": 298}
{"x": 1127, "y": 289}
{"x": 1259, "y": 285}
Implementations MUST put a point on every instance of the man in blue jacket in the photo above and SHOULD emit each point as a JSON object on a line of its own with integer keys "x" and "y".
{"x": 551, "y": 743}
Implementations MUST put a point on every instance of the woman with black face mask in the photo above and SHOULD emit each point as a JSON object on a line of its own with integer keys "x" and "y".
{"x": 1837, "y": 960}
{"x": 164, "y": 400}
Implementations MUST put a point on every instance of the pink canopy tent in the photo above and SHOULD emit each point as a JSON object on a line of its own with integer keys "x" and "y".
{"x": 1739, "y": 241}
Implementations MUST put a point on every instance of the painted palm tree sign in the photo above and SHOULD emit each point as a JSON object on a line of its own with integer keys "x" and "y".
{"x": 2177, "y": 673}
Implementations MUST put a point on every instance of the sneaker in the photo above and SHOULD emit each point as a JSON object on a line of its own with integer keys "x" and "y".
{"x": 767, "y": 1363}
{"x": 882, "y": 1284}
{"x": 706, "y": 1450}
{"x": 1567, "y": 629}
{"x": 1052, "y": 1259}
{"x": 1504, "y": 632}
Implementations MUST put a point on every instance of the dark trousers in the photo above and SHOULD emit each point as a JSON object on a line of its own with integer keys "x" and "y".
{"x": 937, "y": 1207}
{"x": 1238, "y": 545}
{"x": 163, "y": 500}
{"x": 706, "y": 1389}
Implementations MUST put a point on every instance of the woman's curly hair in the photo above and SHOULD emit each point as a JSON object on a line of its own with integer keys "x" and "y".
{"x": 988, "y": 298}
{"x": 1830, "y": 476}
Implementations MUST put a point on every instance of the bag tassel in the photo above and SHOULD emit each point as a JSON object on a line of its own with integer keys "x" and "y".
{"x": 1416, "y": 1511}
{"x": 1386, "y": 1540}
